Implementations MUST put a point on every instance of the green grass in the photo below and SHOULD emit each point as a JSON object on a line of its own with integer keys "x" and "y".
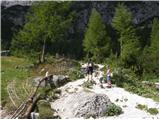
{"x": 10, "y": 72}
{"x": 142, "y": 107}
{"x": 88, "y": 84}
{"x": 152, "y": 111}
{"x": 18, "y": 70}
{"x": 45, "y": 111}
{"x": 129, "y": 81}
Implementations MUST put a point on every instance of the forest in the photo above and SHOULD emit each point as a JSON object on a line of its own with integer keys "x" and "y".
{"x": 50, "y": 41}
{"x": 46, "y": 33}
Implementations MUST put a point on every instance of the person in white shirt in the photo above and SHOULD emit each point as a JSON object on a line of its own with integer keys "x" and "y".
{"x": 109, "y": 76}
{"x": 90, "y": 69}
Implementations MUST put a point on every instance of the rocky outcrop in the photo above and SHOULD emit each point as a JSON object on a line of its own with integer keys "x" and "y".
{"x": 54, "y": 81}
{"x": 7, "y": 4}
{"x": 82, "y": 105}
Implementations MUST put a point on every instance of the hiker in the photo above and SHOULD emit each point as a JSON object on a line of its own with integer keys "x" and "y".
{"x": 108, "y": 76}
{"x": 90, "y": 69}
{"x": 101, "y": 79}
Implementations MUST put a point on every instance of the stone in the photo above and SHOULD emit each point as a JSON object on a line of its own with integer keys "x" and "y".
{"x": 81, "y": 105}
{"x": 54, "y": 81}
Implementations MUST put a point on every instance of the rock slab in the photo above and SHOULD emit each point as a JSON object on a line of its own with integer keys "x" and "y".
{"x": 82, "y": 105}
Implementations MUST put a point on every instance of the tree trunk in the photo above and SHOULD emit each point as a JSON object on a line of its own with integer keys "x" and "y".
{"x": 43, "y": 51}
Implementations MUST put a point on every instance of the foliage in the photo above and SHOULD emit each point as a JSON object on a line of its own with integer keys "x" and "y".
{"x": 44, "y": 109}
{"x": 113, "y": 110}
{"x": 121, "y": 76}
{"x": 129, "y": 43}
{"x": 75, "y": 74}
{"x": 127, "y": 79}
{"x": 142, "y": 107}
{"x": 152, "y": 111}
{"x": 14, "y": 69}
{"x": 88, "y": 84}
{"x": 150, "y": 53}
{"x": 45, "y": 26}
{"x": 96, "y": 42}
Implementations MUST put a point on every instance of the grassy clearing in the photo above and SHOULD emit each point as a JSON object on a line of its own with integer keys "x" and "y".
{"x": 19, "y": 70}
{"x": 13, "y": 68}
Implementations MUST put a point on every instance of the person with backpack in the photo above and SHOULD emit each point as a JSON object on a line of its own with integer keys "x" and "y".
{"x": 90, "y": 69}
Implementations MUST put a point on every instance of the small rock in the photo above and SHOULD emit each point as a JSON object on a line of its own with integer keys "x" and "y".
{"x": 125, "y": 99}
{"x": 124, "y": 106}
{"x": 117, "y": 100}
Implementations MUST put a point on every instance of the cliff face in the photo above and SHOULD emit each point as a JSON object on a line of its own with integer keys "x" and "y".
{"x": 13, "y": 14}
{"x": 141, "y": 11}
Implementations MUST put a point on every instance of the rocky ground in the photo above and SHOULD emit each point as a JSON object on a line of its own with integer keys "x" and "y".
{"x": 126, "y": 100}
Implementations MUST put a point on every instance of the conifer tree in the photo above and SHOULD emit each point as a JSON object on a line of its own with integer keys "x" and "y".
{"x": 96, "y": 42}
{"x": 129, "y": 43}
{"x": 151, "y": 53}
{"x": 46, "y": 23}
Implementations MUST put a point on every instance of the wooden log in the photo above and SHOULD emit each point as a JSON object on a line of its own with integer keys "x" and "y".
{"x": 32, "y": 100}
{"x": 31, "y": 106}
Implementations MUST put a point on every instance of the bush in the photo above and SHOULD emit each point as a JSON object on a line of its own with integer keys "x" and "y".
{"x": 127, "y": 79}
{"x": 113, "y": 110}
{"x": 88, "y": 84}
{"x": 45, "y": 111}
{"x": 153, "y": 111}
{"x": 122, "y": 76}
{"x": 75, "y": 74}
{"x": 142, "y": 107}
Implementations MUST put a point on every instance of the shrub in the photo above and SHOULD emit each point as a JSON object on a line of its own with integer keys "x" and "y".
{"x": 45, "y": 111}
{"x": 121, "y": 76}
{"x": 88, "y": 84}
{"x": 127, "y": 79}
{"x": 113, "y": 110}
{"x": 153, "y": 111}
{"x": 142, "y": 107}
{"x": 75, "y": 74}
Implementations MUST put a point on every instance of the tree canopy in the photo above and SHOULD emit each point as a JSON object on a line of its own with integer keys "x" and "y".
{"x": 46, "y": 25}
{"x": 96, "y": 41}
{"x": 129, "y": 43}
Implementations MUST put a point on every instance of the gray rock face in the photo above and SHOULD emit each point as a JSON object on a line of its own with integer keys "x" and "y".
{"x": 17, "y": 2}
{"x": 82, "y": 104}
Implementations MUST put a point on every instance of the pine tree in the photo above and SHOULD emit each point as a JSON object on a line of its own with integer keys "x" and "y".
{"x": 150, "y": 53}
{"x": 96, "y": 42}
{"x": 155, "y": 36}
{"x": 129, "y": 43}
{"x": 45, "y": 25}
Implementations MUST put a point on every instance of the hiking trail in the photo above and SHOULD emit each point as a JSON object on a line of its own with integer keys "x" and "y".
{"x": 126, "y": 100}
